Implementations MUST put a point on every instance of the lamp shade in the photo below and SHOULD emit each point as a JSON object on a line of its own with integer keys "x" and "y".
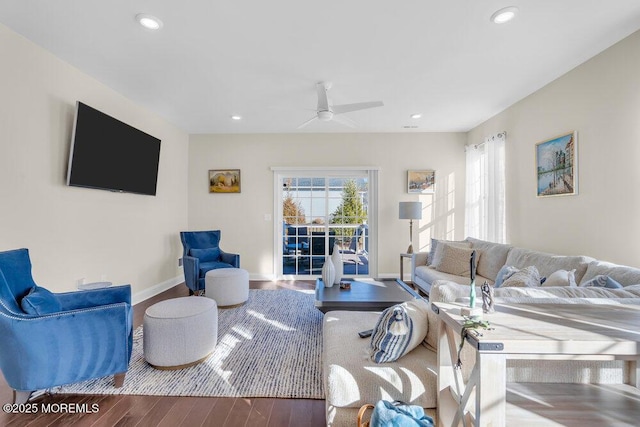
{"x": 410, "y": 210}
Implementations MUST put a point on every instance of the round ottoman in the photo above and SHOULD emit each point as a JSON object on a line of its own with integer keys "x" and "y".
{"x": 180, "y": 332}
{"x": 227, "y": 286}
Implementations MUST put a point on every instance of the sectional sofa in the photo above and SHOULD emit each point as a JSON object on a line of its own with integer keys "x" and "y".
{"x": 351, "y": 379}
{"x": 426, "y": 268}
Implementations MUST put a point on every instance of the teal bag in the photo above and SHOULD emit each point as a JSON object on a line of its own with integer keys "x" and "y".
{"x": 399, "y": 414}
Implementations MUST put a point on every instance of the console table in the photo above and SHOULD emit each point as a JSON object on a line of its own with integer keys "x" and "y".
{"x": 532, "y": 331}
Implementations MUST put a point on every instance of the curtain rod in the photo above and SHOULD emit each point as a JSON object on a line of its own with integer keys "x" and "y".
{"x": 499, "y": 135}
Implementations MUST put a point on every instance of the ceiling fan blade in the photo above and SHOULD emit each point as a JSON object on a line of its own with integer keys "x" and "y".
{"x": 345, "y": 121}
{"x": 307, "y": 122}
{"x": 345, "y": 108}
{"x": 323, "y": 98}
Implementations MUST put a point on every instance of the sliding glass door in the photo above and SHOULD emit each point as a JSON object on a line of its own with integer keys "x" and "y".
{"x": 319, "y": 212}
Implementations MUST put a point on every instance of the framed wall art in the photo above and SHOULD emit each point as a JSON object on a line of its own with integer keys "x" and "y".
{"x": 557, "y": 166}
{"x": 421, "y": 181}
{"x": 224, "y": 181}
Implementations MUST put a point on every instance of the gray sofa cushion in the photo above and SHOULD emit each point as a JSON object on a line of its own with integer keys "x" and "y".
{"x": 434, "y": 247}
{"x": 528, "y": 277}
{"x": 351, "y": 379}
{"x": 453, "y": 259}
{"x": 492, "y": 256}
{"x": 430, "y": 274}
{"x": 445, "y": 291}
{"x": 620, "y": 273}
{"x": 555, "y": 300}
{"x": 548, "y": 263}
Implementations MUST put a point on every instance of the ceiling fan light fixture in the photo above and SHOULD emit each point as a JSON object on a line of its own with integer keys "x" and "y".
{"x": 504, "y": 15}
{"x": 325, "y": 116}
{"x": 149, "y": 22}
{"x": 236, "y": 117}
{"x": 416, "y": 116}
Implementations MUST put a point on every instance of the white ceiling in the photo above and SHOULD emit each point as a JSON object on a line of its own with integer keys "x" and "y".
{"x": 261, "y": 59}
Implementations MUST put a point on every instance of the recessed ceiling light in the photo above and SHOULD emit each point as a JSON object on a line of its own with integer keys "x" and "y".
{"x": 236, "y": 118}
{"x": 504, "y": 15}
{"x": 148, "y": 21}
{"x": 416, "y": 116}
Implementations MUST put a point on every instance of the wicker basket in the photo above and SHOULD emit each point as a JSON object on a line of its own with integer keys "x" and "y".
{"x": 361, "y": 414}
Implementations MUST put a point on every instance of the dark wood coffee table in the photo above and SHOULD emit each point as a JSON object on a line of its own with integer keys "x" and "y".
{"x": 364, "y": 295}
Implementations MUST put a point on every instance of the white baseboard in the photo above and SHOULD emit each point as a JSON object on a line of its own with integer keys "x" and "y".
{"x": 155, "y": 290}
{"x": 255, "y": 276}
{"x": 388, "y": 276}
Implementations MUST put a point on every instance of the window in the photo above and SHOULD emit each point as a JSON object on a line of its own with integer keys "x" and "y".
{"x": 318, "y": 209}
{"x": 485, "y": 190}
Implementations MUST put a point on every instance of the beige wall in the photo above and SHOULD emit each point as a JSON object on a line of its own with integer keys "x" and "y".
{"x": 241, "y": 216}
{"x": 601, "y": 101}
{"x": 74, "y": 232}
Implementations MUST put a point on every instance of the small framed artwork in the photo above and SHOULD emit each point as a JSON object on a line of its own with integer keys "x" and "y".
{"x": 423, "y": 181}
{"x": 224, "y": 181}
{"x": 557, "y": 166}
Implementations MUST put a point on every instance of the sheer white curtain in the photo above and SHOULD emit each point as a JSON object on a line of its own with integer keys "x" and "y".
{"x": 485, "y": 195}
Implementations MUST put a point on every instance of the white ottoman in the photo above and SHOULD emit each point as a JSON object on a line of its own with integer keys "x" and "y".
{"x": 227, "y": 286}
{"x": 180, "y": 332}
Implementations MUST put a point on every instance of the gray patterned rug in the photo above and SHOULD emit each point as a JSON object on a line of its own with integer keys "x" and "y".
{"x": 269, "y": 347}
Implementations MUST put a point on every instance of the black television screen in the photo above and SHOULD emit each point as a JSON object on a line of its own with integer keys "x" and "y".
{"x": 111, "y": 155}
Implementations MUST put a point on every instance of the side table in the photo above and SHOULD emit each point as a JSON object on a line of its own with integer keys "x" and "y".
{"x": 402, "y": 256}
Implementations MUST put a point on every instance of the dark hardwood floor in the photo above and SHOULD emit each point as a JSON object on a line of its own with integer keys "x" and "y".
{"x": 143, "y": 411}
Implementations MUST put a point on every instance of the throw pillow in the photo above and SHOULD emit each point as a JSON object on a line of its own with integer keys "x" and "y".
{"x": 206, "y": 255}
{"x": 528, "y": 277}
{"x": 602, "y": 281}
{"x": 40, "y": 301}
{"x": 434, "y": 246}
{"x": 561, "y": 278}
{"x": 453, "y": 259}
{"x": 399, "y": 329}
{"x": 505, "y": 272}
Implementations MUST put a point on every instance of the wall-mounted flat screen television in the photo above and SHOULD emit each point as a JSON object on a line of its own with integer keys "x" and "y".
{"x": 111, "y": 155}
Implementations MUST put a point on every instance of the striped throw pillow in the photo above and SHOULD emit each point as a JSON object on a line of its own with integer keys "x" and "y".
{"x": 399, "y": 329}
{"x": 391, "y": 335}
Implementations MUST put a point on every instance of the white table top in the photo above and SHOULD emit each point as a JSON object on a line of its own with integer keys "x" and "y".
{"x": 554, "y": 328}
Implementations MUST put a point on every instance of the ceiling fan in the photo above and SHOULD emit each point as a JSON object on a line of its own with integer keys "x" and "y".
{"x": 327, "y": 112}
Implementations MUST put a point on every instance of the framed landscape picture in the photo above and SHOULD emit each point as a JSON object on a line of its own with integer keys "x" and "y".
{"x": 557, "y": 166}
{"x": 421, "y": 181}
{"x": 224, "y": 181}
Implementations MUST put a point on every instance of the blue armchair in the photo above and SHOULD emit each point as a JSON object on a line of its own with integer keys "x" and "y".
{"x": 201, "y": 254}
{"x": 54, "y": 339}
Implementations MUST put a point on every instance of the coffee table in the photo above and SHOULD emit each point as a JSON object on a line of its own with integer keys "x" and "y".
{"x": 364, "y": 295}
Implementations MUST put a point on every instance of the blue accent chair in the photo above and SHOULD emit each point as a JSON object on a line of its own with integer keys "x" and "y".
{"x": 73, "y": 337}
{"x": 201, "y": 254}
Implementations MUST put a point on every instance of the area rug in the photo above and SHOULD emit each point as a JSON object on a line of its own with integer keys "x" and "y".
{"x": 269, "y": 347}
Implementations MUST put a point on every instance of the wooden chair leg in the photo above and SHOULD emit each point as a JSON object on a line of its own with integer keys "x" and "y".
{"x": 21, "y": 396}
{"x": 118, "y": 379}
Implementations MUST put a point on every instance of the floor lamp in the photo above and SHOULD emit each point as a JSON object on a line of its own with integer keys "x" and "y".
{"x": 410, "y": 211}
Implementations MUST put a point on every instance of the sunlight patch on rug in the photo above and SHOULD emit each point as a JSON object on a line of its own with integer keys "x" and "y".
{"x": 269, "y": 347}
